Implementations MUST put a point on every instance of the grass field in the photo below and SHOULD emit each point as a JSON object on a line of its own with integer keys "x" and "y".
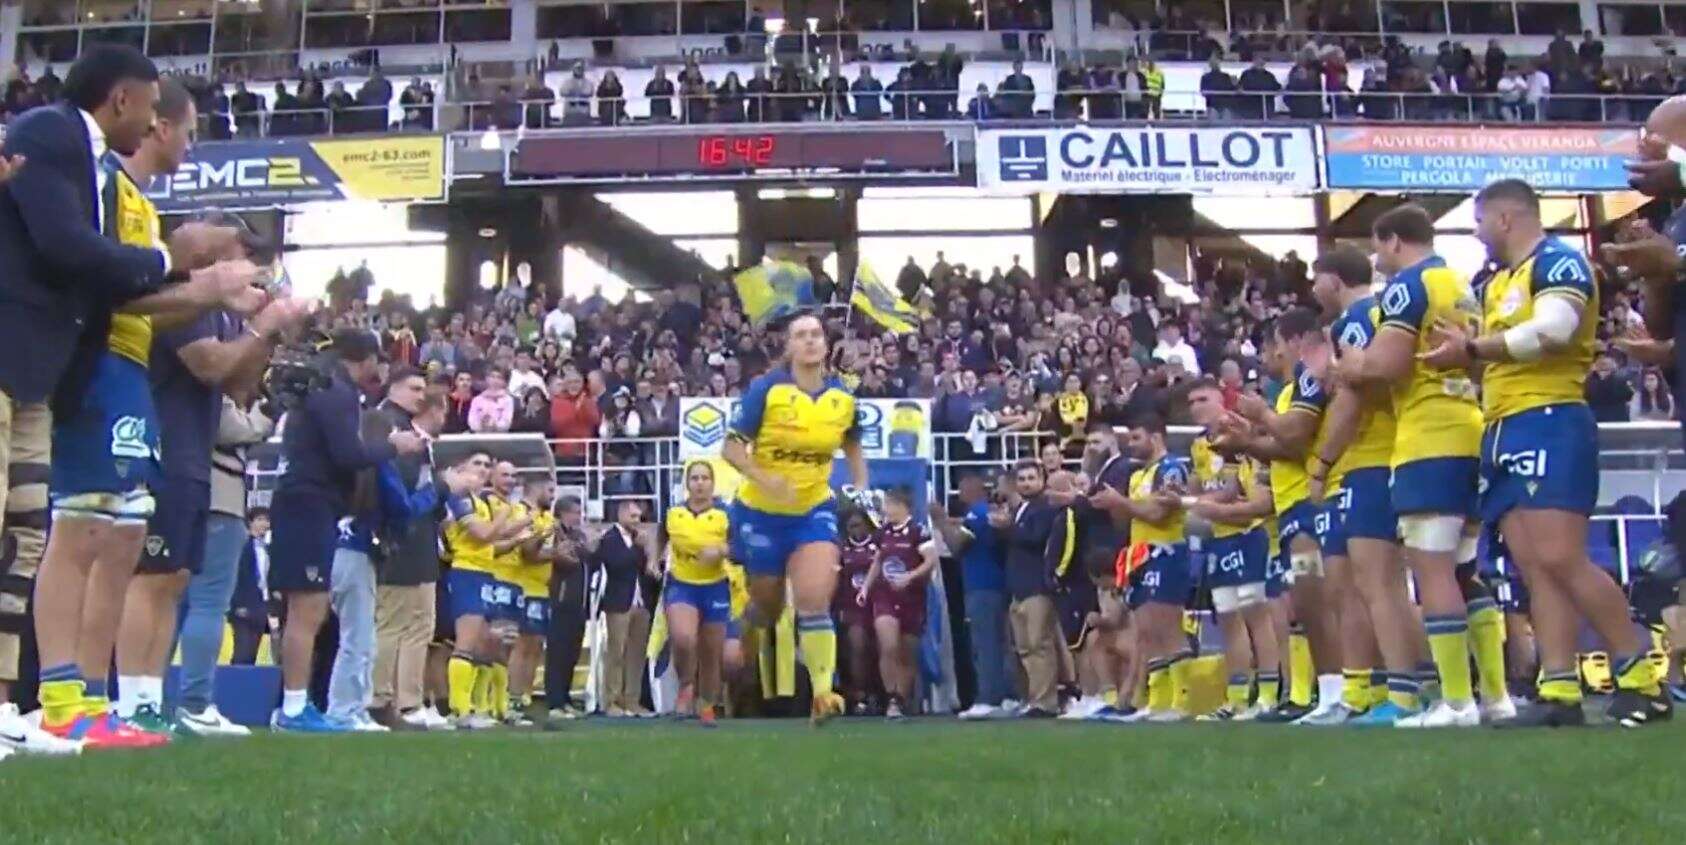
{"x": 869, "y": 782}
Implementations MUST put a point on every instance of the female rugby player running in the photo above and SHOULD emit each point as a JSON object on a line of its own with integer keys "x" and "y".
{"x": 698, "y": 598}
{"x": 783, "y": 436}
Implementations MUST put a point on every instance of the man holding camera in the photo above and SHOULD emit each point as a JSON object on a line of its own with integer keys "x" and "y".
{"x": 322, "y": 450}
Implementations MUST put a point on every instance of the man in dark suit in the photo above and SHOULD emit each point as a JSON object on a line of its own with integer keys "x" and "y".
{"x": 248, "y": 612}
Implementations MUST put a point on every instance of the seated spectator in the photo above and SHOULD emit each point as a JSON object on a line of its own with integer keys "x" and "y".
{"x": 493, "y": 411}
{"x": 982, "y": 106}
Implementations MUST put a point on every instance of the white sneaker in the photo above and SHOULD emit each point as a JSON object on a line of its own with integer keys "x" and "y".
{"x": 1011, "y": 705}
{"x": 209, "y": 723}
{"x": 1250, "y": 713}
{"x": 976, "y": 712}
{"x": 364, "y": 723}
{"x": 1081, "y": 708}
{"x": 5, "y": 751}
{"x": 436, "y": 721}
{"x": 476, "y": 722}
{"x": 1165, "y": 717}
{"x": 1497, "y": 710}
{"x": 417, "y": 719}
{"x": 1444, "y": 715}
{"x": 20, "y": 735}
{"x": 1326, "y": 716}
{"x": 1002, "y": 712}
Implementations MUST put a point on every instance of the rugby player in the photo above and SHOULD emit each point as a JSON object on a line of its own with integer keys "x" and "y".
{"x": 1158, "y": 565}
{"x": 1287, "y": 436}
{"x": 1359, "y": 459}
{"x": 853, "y": 611}
{"x": 895, "y": 592}
{"x": 782, "y": 439}
{"x": 697, "y": 598}
{"x": 531, "y": 576}
{"x": 1104, "y": 654}
{"x": 1539, "y": 466}
{"x": 1236, "y": 501}
{"x": 1436, "y": 444}
{"x": 472, "y": 528}
{"x": 521, "y": 540}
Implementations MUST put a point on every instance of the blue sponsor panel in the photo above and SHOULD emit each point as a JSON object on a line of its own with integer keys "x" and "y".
{"x": 1439, "y": 157}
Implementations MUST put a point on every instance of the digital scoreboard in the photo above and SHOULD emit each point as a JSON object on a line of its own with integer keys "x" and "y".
{"x": 702, "y": 153}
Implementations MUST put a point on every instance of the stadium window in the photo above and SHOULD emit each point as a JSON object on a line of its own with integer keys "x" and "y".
{"x": 1122, "y": 15}
{"x": 913, "y": 214}
{"x": 950, "y": 15}
{"x": 886, "y": 255}
{"x": 57, "y": 45}
{"x": 239, "y": 29}
{"x": 1414, "y": 16}
{"x": 1256, "y": 15}
{"x": 691, "y": 214}
{"x": 407, "y": 27}
{"x": 1482, "y": 18}
{"x": 1630, "y": 19}
{"x": 48, "y": 13}
{"x": 414, "y": 271}
{"x": 1548, "y": 18}
{"x": 712, "y": 17}
{"x": 477, "y": 25}
{"x": 176, "y": 11}
{"x": 186, "y": 39}
{"x": 572, "y": 21}
{"x": 133, "y": 36}
{"x": 1674, "y": 17}
{"x": 1241, "y": 213}
{"x": 881, "y": 15}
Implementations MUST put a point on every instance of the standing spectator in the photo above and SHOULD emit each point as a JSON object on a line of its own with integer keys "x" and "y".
{"x": 218, "y": 112}
{"x": 1035, "y": 551}
{"x": 869, "y": 95}
{"x": 560, "y": 325}
{"x": 834, "y": 93}
{"x": 945, "y": 78}
{"x": 1654, "y": 401}
{"x": 911, "y": 280}
{"x": 341, "y": 110}
{"x": 1591, "y": 52}
{"x": 248, "y": 111}
{"x": 760, "y": 90}
{"x": 1560, "y": 54}
{"x": 1539, "y": 89}
{"x": 790, "y": 90}
{"x": 1172, "y": 347}
{"x": 1069, "y": 84}
{"x": 1155, "y": 89}
{"x": 1495, "y": 63}
{"x": 248, "y": 611}
{"x": 417, "y": 106}
{"x": 1217, "y": 87}
{"x": 659, "y": 93}
{"x": 312, "y": 118}
{"x": 1105, "y": 101}
{"x": 694, "y": 97}
{"x": 622, "y": 556}
{"x": 902, "y": 104}
{"x": 574, "y": 417}
{"x": 982, "y": 107}
{"x": 494, "y": 409}
{"x": 458, "y": 402}
{"x": 729, "y": 99}
{"x": 537, "y": 100}
{"x": 286, "y": 118}
{"x": 523, "y": 377}
{"x": 1608, "y": 390}
{"x": 532, "y": 413}
{"x": 1133, "y": 83}
{"x": 1260, "y": 87}
{"x": 1017, "y": 93}
{"x": 620, "y": 419}
{"x": 373, "y": 100}
{"x": 611, "y": 100}
{"x": 1512, "y": 91}
{"x": 1303, "y": 94}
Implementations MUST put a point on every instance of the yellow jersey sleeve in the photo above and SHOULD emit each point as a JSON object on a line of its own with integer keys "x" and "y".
{"x": 467, "y": 553}
{"x": 793, "y": 434}
{"x": 1435, "y": 410}
{"x": 1372, "y": 445}
{"x": 1165, "y": 473}
{"x": 131, "y": 219}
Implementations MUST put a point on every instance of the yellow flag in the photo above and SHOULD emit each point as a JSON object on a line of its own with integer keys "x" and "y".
{"x": 773, "y": 290}
{"x": 882, "y": 304}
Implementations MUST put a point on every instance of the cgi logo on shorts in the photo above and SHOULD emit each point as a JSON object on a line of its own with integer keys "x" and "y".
{"x": 704, "y": 425}
{"x": 1024, "y": 158}
{"x": 128, "y": 438}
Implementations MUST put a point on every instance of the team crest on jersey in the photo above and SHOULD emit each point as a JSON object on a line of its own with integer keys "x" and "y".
{"x": 1353, "y": 336}
{"x": 128, "y": 438}
{"x": 1396, "y": 298}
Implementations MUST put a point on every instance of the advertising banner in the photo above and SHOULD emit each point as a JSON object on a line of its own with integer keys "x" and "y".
{"x": 263, "y": 174}
{"x": 1440, "y": 157}
{"x": 890, "y": 428}
{"x": 1148, "y": 159}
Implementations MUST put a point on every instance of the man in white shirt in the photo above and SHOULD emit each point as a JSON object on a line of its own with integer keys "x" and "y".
{"x": 1172, "y": 346}
{"x": 559, "y": 324}
{"x": 1539, "y": 86}
{"x": 1512, "y": 90}
{"x": 523, "y": 378}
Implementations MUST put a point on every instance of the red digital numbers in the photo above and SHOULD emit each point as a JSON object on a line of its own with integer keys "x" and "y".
{"x": 736, "y": 150}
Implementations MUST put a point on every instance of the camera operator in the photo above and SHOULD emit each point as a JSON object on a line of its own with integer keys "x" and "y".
{"x": 322, "y": 451}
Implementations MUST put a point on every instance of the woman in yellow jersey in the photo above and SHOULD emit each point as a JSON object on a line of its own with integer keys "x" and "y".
{"x": 698, "y": 598}
{"x": 783, "y": 436}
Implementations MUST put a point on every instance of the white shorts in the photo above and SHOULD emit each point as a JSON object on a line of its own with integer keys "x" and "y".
{"x": 1232, "y": 598}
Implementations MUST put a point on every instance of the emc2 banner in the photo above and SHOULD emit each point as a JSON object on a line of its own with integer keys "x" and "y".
{"x": 265, "y": 174}
{"x": 1148, "y": 159}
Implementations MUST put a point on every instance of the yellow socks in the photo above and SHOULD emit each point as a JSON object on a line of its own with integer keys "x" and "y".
{"x": 1302, "y": 677}
{"x": 497, "y": 694}
{"x": 818, "y": 641}
{"x": 1404, "y": 691}
{"x": 1448, "y": 641}
{"x": 480, "y": 693}
{"x": 1270, "y": 689}
{"x": 1110, "y": 696}
{"x": 1160, "y": 695}
{"x": 459, "y": 672}
{"x": 1235, "y": 694}
{"x": 1487, "y": 642}
{"x": 1561, "y": 688}
{"x": 61, "y": 694}
{"x": 1182, "y": 663}
{"x": 1355, "y": 689}
{"x": 1638, "y": 674}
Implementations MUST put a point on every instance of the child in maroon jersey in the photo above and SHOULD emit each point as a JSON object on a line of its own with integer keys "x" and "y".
{"x": 860, "y": 552}
{"x": 895, "y": 593}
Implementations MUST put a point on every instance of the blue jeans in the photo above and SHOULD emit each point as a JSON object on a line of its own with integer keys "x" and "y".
{"x": 205, "y": 607}
{"x": 986, "y": 620}
{"x": 352, "y": 591}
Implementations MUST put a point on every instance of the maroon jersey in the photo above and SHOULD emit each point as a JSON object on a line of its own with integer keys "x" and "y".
{"x": 899, "y": 547}
{"x": 857, "y": 562}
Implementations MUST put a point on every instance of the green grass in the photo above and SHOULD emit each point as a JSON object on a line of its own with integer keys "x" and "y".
{"x": 868, "y": 782}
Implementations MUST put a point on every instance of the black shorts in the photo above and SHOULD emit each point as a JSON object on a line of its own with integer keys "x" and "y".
{"x": 175, "y": 535}
{"x": 304, "y": 530}
{"x": 1075, "y": 601}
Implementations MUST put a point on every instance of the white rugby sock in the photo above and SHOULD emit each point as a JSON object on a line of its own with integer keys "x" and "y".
{"x": 293, "y": 702}
{"x": 1329, "y": 689}
{"x": 129, "y": 695}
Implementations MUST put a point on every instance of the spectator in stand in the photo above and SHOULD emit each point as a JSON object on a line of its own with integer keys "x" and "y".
{"x": 1259, "y": 87}
{"x": 1155, "y": 89}
{"x": 1303, "y": 94}
{"x": 834, "y": 95}
{"x": 248, "y": 111}
{"x": 759, "y": 90}
{"x": 493, "y": 411}
{"x": 537, "y": 100}
{"x": 1591, "y": 52}
{"x": 417, "y": 104}
{"x": 574, "y": 417}
{"x": 1217, "y": 87}
{"x": 695, "y": 98}
{"x": 1172, "y": 347}
{"x": 1496, "y": 65}
{"x": 1069, "y": 85}
{"x": 560, "y": 325}
{"x": 1539, "y": 89}
{"x": 1608, "y": 391}
{"x": 1105, "y": 101}
{"x": 523, "y": 377}
{"x": 1653, "y": 401}
{"x": 1512, "y": 92}
{"x": 373, "y": 100}
{"x": 611, "y": 100}
{"x": 659, "y": 92}
{"x": 729, "y": 99}
{"x": 218, "y": 111}
{"x": 1016, "y": 95}
{"x": 532, "y": 413}
{"x": 1133, "y": 83}
{"x": 869, "y": 94}
{"x": 342, "y": 118}
{"x": 458, "y": 402}
{"x": 982, "y": 107}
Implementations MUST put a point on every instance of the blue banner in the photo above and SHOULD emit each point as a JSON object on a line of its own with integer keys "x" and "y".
{"x": 1449, "y": 158}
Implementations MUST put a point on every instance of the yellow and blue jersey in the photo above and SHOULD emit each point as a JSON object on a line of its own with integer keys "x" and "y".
{"x": 506, "y": 565}
{"x": 688, "y": 533}
{"x": 131, "y": 219}
{"x": 1289, "y": 482}
{"x": 1436, "y": 410}
{"x": 467, "y": 553}
{"x": 1214, "y": 472}
{"x": 1167, "y": 472}
{"x": 1372, "y": 446}
{"x": 1559, "y": 376}
{"x": 532, "y": 572}
{"x": 795, "y": 435}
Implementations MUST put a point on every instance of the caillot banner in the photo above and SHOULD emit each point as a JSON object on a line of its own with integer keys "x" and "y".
{"x": 237, "y": 175}
{"x": 1149, "y": 159}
